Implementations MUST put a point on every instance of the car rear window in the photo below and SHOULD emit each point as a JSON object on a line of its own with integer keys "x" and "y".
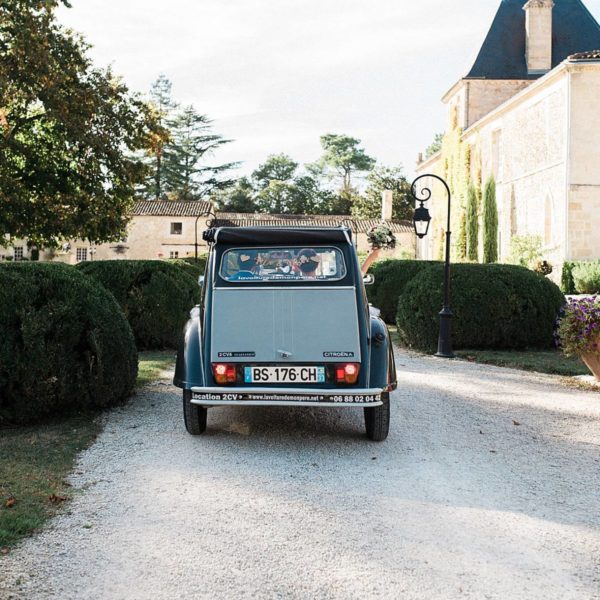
{"x": 283, "y": 264}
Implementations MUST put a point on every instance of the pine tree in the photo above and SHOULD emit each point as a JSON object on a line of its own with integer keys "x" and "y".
{"x": 186, "y": 174}
{"x": 162, "y": 105}
{"x": 472, "y": 223}
{"x": 490, "y": 222}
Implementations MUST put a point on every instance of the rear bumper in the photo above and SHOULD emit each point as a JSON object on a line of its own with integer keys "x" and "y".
{"x": 256, "y": 396}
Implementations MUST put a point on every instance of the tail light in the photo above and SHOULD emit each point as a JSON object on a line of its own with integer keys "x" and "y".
{"x": 347, "y": 372}
{"x": 224, "y": 373}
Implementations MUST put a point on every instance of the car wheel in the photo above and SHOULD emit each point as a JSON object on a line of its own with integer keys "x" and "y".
{"x": 377, "y": 419}
{"x": 193, "y": 415}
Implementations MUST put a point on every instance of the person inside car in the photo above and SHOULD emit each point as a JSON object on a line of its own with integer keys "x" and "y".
{"x": 308, "y": 263}
{"x": 247, "y": 265}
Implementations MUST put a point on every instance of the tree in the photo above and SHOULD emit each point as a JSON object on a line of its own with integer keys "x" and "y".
{"x": 435, "y": 146}
{"x": 281, "y": 190}
{"x": 67, "y": 133}
{"x": 343, "y": 157}
{"x": 472, "y": 223}
{"x": 162, "y": 105}
{"x": 490, "y": 222}
{"x": 461, "y": 245}
{"x": 380, "y": 179}
{"x": 277, "y": 167}
{"x": 237, "y": 198}
{"x": 186, "y": 176}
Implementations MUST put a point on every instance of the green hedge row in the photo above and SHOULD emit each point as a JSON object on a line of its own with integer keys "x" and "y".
{"x": 581, "y": 277}
{"x": 156, "y": 297}
{"x": 65, "y": 344}
{"x": 191, "y": 266}
{"x": 494, "y": 306}
{"x": 391, "y": 277}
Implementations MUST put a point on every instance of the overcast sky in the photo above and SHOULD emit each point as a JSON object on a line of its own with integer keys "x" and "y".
{"x": 276, "y": 74}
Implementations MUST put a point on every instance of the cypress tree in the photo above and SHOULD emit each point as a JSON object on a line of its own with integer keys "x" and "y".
{"x": 472, "y": 223}
{"x": 461, "y": 246}
{"x": 490, "y": 222}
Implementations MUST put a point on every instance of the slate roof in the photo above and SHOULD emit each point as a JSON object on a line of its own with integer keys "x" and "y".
{"x": 502, "y": 55}
{"x": 153, "y": 208}
{"x": 225, "y": 219}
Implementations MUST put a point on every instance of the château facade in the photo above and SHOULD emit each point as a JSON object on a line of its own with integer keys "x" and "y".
{"x": 527, "y": 113}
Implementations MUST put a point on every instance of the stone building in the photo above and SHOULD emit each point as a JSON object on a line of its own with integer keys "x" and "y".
{"x": 157, "y": 230}
{"x": 168, "y": 230}
{"x": 528, "y": 111}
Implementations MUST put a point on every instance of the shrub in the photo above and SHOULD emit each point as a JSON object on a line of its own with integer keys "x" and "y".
{"x": 586, "y": 277}
{"x": 65, "y": 344}
{"x": 567, "y": 285}
{"x": 155, "y": 296}
{"x": 525, "y": 250}
{"x": 494, "y": 306}
{"x": 191, "y": 266}
{"x": 391, "y": 277}
{"x": 579, "y": 327}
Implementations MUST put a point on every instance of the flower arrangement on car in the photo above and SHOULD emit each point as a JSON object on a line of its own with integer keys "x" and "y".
{"x": 381, "y": 237}
{"x": 578, "y": 331}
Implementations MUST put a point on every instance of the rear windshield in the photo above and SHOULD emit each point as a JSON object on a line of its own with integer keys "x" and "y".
{"x": 283, "y": 264}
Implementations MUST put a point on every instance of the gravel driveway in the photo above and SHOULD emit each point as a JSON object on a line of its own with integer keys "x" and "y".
{"x": 488, "y": 487}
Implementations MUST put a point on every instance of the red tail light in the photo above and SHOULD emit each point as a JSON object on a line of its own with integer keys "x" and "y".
{"x": 224, "y": 373}
{"x": 347, "y": 372}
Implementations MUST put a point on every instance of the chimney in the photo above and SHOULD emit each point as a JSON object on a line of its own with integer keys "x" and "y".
{"x": 387, "y": 198}
{"x": 538, "y": 35}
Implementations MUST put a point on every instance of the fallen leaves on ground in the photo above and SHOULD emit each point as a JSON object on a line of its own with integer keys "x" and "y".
{"x": 10, "y": 502}
{"x": 54, "y": 499}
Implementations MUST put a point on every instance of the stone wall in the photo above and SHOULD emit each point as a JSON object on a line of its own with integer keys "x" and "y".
{"x": 584, "y": 164}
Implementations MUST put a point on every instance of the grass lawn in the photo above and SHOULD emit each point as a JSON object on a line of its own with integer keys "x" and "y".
{"x": 553, "y": 362}
{"x": 152, "y": 363}
{"x": 35, "y": 461}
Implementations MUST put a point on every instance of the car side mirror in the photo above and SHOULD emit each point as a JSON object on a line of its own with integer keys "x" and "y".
{"x": 201, "y": 280}
{"x": 368, "y": 279}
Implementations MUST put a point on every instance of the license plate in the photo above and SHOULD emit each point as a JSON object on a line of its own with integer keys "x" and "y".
{"x": 284, "y": 374}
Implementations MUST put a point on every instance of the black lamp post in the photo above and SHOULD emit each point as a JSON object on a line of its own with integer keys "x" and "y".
{"x": 421, "y": 221}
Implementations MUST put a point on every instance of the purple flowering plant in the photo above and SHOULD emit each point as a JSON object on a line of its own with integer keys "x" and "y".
{"x": 578, "y": 327}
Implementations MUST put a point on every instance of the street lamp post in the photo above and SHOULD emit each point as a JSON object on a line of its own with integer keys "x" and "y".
{"x": 421, "y": 222}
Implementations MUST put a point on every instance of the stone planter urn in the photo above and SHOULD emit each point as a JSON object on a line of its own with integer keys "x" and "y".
{"x": 592, "y": 361}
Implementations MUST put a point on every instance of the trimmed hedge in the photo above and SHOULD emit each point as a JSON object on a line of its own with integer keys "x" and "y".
{"x": 391, "y": 277}
{"x": 586, "y": 277}
{"x": 156, "y": 297}
{"x": 191, "y": 266}
{"x": 65, "y": 344}
{"x": 494, "y": 306}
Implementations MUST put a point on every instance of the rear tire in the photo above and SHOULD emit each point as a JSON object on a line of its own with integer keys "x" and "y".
{"x": 194, "y": 416}
{"x": 377, "y": 419}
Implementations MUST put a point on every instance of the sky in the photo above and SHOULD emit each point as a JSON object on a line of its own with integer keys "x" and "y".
{"x": 274, "y": 75}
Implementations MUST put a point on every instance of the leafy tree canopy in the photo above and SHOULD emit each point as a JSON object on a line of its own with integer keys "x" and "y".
{"x": 435, "y": 146}
{"x": 380, "y": 179}
{"x": 342, "y": 157}
{"x": 67, "y": 131}
{"x": 237, "y": 198}
{"x": 277, "y": 167}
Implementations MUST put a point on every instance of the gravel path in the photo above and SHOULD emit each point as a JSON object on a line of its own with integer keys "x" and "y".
{"x": 488, "y": 487}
